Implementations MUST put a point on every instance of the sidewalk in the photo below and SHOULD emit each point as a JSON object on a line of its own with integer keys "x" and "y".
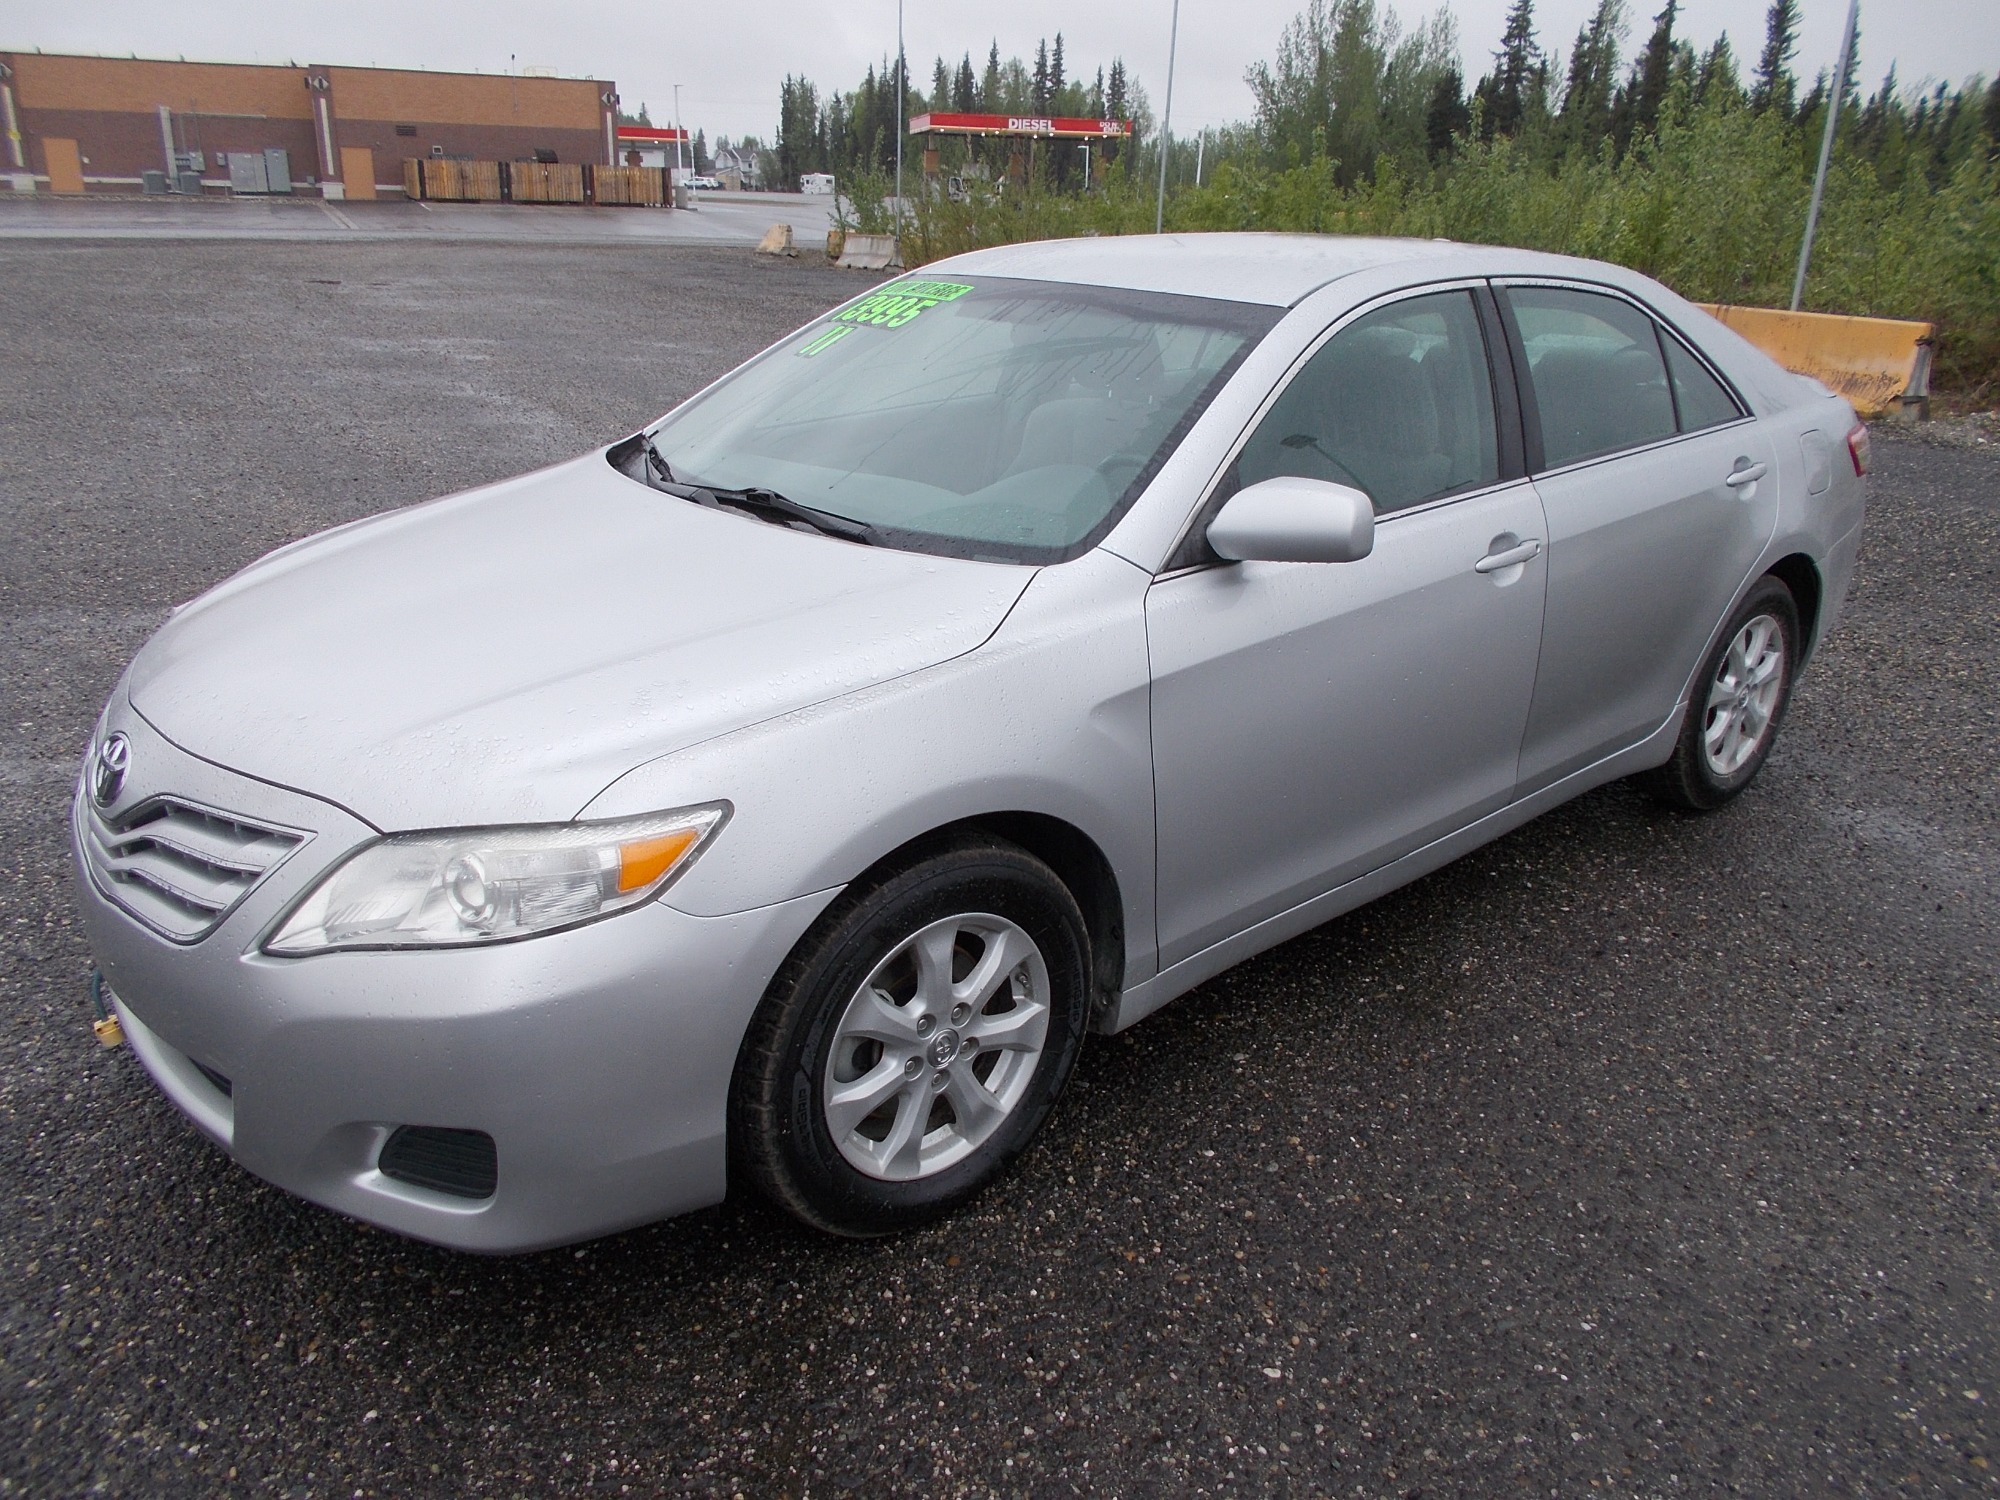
{"x": 734, "y": 219}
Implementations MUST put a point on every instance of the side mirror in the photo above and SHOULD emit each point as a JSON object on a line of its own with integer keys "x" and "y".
{"x": 1290, "y": 519}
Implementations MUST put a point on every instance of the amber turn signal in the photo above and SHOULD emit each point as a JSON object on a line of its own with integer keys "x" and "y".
{"x": 642, "y": 863}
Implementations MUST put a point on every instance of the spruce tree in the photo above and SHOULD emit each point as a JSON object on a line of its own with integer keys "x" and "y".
{"x": 1515, "y": 65}
{"x": 1715, "y": 79}
{"x": 1115, "y": 103}
{"x": 1447, "y": 116}
{"x": 1647, "y": 89}
{"x": 1586, "y": 106}
{"x": 801, "y": 131}
{"x": 1775, "y": 87}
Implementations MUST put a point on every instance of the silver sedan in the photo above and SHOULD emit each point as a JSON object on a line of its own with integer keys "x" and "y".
{"x": 782, "y": 794}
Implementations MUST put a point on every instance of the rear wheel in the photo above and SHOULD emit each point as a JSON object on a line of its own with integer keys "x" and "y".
{"x": 914, "y": 1042}
{"x": 1739, "y": 700}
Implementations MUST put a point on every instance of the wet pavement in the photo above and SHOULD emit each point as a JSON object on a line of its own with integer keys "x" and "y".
{"x": 714, "y": 219}
{"x": 1633, "y": 1155}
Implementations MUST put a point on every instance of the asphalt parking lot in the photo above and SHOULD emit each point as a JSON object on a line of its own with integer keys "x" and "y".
{"x": 1632, "y": 1155}
{"x": 715, "y": 219}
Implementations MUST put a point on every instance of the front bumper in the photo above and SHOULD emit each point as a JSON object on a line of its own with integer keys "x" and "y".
{"x": 598, "y": 1059}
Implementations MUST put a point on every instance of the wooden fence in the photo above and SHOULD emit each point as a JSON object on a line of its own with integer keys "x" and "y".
{"x": 640, "y": 187}
{"x": 454, "y": 181}
{"x": 533, "y": 182}
{"x": 546, "y": 182}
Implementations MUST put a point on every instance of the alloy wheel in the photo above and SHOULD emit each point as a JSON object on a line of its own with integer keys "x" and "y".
{"x": 937, "y": 1047}
{"x": 1744, "y": 696}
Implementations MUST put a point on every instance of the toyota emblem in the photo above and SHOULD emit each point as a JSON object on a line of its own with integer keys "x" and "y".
{"x": 108, "y": 768}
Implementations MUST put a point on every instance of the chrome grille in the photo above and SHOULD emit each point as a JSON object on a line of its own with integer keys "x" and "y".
{"x": 177, "y": 867}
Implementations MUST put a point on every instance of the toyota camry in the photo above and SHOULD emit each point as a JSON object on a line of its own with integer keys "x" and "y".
{"x": 783, "y": 794}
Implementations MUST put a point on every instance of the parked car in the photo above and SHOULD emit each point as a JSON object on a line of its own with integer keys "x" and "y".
{"x": 708, "y": 184}
{"x": 782, "y": 795}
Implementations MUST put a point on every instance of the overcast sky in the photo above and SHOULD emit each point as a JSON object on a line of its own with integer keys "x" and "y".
{"x": 729, "y": 59}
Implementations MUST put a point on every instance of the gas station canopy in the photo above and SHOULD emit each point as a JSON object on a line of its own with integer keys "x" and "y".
{"x": 650, "y": 135}
{"x": 937, "y": 123}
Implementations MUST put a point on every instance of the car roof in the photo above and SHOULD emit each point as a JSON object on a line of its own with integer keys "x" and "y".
{"x": 1276, "y": 270}
{"x": 1281, "y": 270}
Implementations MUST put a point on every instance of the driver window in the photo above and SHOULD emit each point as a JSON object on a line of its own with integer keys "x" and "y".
{"x": 1399, "y": 405}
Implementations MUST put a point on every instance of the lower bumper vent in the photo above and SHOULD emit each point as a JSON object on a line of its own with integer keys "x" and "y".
{"x": 461, "y": 1163}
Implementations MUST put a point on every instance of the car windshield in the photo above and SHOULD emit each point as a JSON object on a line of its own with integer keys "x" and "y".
{"x": 973, "y": 416}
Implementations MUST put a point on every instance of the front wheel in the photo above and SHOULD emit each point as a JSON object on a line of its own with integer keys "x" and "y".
{"x": 1739, "y": 700}
{"x": 914, "y": 1042}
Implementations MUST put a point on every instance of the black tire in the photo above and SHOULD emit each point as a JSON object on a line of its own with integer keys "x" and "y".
{"x": 780, "y": 1138}
{"x": 1691, "y": 780}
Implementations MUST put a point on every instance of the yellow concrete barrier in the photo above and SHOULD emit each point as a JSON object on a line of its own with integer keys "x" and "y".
{"x": 1882, "y": 365}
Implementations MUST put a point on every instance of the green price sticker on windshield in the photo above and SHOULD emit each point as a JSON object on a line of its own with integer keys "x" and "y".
{"x": 898, "y": 303}
{"x": 825, "y": 340}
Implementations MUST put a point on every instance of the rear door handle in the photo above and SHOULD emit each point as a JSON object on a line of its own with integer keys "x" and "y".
{"x": 1493, "y": 562}
{"x": 1749, "y": 474}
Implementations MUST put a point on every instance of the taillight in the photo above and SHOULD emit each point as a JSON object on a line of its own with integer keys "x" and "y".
{"x": 1857, "y": 449}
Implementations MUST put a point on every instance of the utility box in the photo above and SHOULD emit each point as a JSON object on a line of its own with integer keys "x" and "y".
{"x": 154, "y": 181}
{"x": 246, "y": 172}
{"x": 267, "y": 171}
{"x": 188, "y": 183}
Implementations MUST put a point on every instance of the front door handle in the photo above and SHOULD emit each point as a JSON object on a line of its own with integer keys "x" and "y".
{"x": 1520, "y": 552}
{"x": 1748, "y": 474}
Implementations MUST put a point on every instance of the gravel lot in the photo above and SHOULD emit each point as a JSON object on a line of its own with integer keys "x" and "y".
{"x": 1633, "y": 1155}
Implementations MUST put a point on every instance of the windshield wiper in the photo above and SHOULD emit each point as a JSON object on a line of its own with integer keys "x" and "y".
{"x": 769, "y": 505}
{"x": 773, "y": 506}
{"x": 765, "y": 504}
{"x": 656, "y": 461}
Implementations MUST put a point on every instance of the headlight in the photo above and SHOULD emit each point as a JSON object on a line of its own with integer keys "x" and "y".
{"x": 485, "y": 885}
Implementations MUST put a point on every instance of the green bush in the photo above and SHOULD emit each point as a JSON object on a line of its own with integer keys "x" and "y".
{"x": 1712, "y": 204}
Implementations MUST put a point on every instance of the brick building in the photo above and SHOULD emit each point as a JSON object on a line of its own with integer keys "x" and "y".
{"x": 102, "y": 124}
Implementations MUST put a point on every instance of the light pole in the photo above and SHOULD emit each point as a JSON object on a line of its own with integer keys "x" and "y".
{"x": 902, "y": 103}
{"x": 681, "y": 127}
{"x": 1166, "y": 121}
{"x": 1826, "y": 149}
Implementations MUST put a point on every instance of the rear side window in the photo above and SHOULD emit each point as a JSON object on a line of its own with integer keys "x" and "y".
{"x": 1600, "y": 383}
{"x": 1701, "y": 399}
{"x": 1399, "y": 404}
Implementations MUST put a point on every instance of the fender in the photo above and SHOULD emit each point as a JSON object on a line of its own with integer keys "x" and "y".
{"x": 821, "y": 794}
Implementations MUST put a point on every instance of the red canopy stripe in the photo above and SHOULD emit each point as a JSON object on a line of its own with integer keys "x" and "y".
{"x": 941, "y": 123}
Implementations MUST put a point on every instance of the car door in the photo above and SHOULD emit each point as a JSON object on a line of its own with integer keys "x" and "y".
{"x": 1660, "y": 493}
{"x": 1312, "y": 721}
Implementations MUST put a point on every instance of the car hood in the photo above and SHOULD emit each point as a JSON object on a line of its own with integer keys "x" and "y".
{"x": 502, "y": 655}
